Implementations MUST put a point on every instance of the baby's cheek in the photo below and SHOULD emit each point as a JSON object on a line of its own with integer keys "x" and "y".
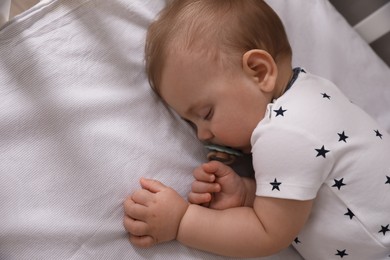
{"x": 235, "y": 136}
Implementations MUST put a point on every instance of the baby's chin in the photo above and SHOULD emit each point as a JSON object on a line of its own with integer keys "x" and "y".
{"x": 245, "y": 150}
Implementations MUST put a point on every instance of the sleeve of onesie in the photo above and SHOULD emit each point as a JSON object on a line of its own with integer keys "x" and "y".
{"x": 289, "y": 163}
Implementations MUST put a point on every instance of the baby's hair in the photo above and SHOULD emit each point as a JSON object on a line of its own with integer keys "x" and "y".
{"x": 223, "y": 29}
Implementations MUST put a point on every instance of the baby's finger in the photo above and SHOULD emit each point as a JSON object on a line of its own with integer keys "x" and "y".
{"x": 142, "y": 241}
{"x": 142, "y": 197}
{"x": 199, "y": 198}
{"x": 135, "y": 227}
{"x": 200, "y": 175}
{"x": 151, "y": 185}
{"x": 128, "y": 203}
{"x": 134, "y": 210}
{"x": 205, "y": 187}
{"x": 218, "y": 169}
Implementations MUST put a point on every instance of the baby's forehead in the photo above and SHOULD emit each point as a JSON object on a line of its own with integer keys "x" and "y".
{"x": 203, "y": 52}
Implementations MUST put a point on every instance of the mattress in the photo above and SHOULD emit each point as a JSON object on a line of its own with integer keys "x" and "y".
{"x": 79, "y": 125}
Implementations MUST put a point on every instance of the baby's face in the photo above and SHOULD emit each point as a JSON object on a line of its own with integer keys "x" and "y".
{"x": 224, "y": 105}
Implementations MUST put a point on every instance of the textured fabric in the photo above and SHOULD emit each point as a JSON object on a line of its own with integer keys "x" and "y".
{"x": 5, "y": 6}
{"x": 79, "y": 124}
{"x": 315, "y": 144}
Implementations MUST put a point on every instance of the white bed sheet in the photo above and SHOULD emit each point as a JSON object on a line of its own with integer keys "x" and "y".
{"x": 79, "y": 125}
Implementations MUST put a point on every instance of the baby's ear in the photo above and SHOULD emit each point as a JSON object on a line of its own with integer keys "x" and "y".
{"x": 260, "y": 65}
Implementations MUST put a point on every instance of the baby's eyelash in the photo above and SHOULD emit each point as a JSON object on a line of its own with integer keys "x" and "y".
{"x": 209, "y": 114}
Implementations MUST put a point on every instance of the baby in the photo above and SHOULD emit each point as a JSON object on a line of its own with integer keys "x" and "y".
{"x": 322, "y": 165}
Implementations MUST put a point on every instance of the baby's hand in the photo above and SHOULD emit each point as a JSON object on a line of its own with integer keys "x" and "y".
{"x": 153, "y": 214}
{"x": 217, "y": 186}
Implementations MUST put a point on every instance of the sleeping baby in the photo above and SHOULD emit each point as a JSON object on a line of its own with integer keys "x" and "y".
{"x": 322, "y": 165}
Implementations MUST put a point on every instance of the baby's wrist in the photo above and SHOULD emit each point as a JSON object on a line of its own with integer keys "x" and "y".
{"x": 184, "y": 211}
{"x": 250, "y": 192}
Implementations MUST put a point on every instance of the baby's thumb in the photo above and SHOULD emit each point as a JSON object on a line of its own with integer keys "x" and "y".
{"x": 151, "y": 185}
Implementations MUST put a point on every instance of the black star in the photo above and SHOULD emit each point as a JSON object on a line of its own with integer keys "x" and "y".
{"x": 322, "y": 152}
{"x": 338, "y": 183}
{"x": 275, "y": 184}
{"x": 349, "y": 213}
{"x": 378, "y": 134}
{"x": 343, "y": 137}
{"x": 388, "y": 180}
{"x": 324, "y": 95}
{"x": 280, "y": 111}
{"x": 341, "y": 253}
{"x": 297, "y": 241}
{"x": 384, "y": 229}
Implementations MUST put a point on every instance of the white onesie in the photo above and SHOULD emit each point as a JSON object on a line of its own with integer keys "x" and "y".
{"x": 313, "y": 143}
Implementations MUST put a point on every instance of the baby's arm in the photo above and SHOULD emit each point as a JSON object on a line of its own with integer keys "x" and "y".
{"x": 268, "y": 227}
{"x": 218, "y": 186}
{"x": 157, "y": 214}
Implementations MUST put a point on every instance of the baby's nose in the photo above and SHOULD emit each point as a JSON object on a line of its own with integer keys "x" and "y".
{"x": 204, "y": 135}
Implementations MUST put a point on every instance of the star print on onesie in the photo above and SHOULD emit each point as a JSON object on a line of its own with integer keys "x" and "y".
{"x": 324, "y": 95}
{"x": 322, "y": 152}
{"x": 377, "y": 133}
{"x": 384, "y": 229}
{"x": 349, "y": 214}
{"x": 338, "y": 183}
{"x": 275, "y": 185}
{"x": 280, "y": 111}
{"x": 341, "y": 253}
{"x": 314, "y": 144}
{"x": 342, "y": 137}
